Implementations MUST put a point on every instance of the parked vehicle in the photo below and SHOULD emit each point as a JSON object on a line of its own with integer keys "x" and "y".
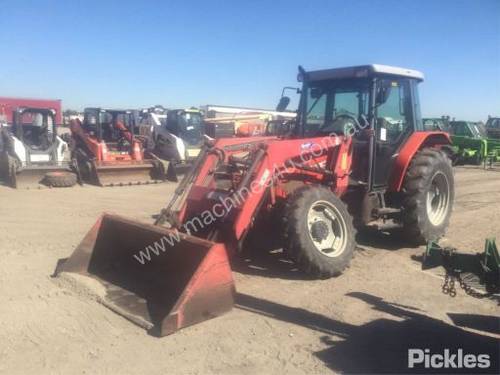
{"x": 471, "y": 144}
{"x": 356, "y": 154}
{"x": 109, "y": 154}
{"x": 8, "y": 107}
{"x": 177, "y": 134}
{"x": 31, "y": 152}
{"x": 227, "y": 121}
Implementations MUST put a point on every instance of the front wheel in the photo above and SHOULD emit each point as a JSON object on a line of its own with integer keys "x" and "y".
{"x": 428, "y": 196}
{"x": 319, "y": 235}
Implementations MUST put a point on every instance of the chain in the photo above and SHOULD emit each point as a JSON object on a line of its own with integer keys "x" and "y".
{"x": 449, "y": 285}
{"x": 469, "y": 290}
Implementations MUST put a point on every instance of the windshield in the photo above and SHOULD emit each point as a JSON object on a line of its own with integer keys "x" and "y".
{"x": 191, "y": 127}
{"x": 333, "y": 106}
{"x": 468, "y": 129}
{"x": 478, "y": 130}
{"x": 432, "y": 124}
{"x": 493, "y": 123}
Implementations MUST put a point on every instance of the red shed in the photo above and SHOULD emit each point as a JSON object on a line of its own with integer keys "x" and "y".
{"x": 8, "y": 105}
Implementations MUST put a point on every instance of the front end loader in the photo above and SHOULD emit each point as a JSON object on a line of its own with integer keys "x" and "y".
{"x": 356, "y": 155}
{"x": 108, "y": 153}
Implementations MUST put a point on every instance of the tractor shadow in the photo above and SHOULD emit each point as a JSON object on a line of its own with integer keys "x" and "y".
{"x": 380, "y": 346}
{"x": 262, "y": 253}
{"x": 389, "y": 239}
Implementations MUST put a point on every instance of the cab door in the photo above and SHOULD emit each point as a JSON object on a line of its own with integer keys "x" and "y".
{"x": 394, "y": 122}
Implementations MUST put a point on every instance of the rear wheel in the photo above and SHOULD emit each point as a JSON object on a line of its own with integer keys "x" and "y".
{"x": 429, "y": 193}
{"x": 60, "y": 179}
{"x": 319, "y": 235}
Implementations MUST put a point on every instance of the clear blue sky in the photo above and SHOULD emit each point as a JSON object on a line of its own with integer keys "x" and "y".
{"x": 182, "y": 53}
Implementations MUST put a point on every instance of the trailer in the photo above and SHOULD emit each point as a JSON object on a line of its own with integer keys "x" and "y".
{"x": 9, "y": 105}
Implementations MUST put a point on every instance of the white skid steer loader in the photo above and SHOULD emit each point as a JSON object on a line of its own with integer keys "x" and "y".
{"x": 32, "y": 154}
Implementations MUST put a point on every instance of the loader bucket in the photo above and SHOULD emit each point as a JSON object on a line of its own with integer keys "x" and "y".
{"x": 189, "y": 281}
{"x": 110, "y": 174}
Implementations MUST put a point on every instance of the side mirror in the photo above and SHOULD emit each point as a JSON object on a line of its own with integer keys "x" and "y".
{"x": 283, "y": 104}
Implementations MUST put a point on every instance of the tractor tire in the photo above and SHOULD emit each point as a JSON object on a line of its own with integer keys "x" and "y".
{"x": 429, "y": 192}
{"x": 60, "y": 179}
{"x": 318, "y": 232}
{"x": 10, "y": 171}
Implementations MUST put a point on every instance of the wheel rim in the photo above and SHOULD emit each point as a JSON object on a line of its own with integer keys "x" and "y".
{"x": 438, "y": 199}
{"x": 327, "y": 228}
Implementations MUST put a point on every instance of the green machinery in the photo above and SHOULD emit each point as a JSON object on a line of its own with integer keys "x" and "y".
{"x": 493, "y": 127}
{"x": 471, "y": 144}
{"x": 477, "y": 273}
{"x": 437, "y": 124}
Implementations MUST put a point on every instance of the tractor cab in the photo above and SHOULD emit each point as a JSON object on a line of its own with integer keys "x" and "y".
{"x": 493, "y": 127}
{"x": 178, "y": 134}
{"x": 35, "y": 127}
{"x": 109, "y": 125}
{"x": 468, "y": 129}
{"x": 437, "y": 124}
{"x": 377, "y": 105}
{"x": 186, "y": 124}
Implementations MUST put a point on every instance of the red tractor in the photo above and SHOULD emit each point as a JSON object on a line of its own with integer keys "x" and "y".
{"x": 356, "y": 154}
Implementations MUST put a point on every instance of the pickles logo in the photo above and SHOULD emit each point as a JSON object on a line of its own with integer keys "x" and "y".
{"x": 425, "y": 359}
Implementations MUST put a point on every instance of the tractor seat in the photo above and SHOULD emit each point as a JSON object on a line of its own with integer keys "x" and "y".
{"x": 50, "y": 149}
{"x": 37, "y": 138}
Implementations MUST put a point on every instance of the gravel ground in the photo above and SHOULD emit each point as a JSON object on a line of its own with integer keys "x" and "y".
{"x": 362, "y": 321}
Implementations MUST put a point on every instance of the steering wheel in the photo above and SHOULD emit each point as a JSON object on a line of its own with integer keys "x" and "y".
{"x": 341, "y": 117}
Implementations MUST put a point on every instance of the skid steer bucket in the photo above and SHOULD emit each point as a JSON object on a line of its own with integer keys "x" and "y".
{"x": 158, "y": 278}
{"x": 112, "y": 174}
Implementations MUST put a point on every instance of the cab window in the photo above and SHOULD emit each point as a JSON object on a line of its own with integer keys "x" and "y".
{"x": 336, "y": 107}
{"x": 394, "y": 113}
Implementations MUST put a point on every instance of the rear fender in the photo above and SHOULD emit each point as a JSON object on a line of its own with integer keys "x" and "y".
{"x": 416, "y": 142}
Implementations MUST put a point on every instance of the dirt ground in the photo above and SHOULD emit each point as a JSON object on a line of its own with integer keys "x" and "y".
{"x": 362, "y": 321}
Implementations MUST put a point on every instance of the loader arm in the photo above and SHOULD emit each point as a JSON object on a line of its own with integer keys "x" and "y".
{"x": 80, "y": 134}
{"x": 266, "y": 166}
{"x": 124, "y": 131}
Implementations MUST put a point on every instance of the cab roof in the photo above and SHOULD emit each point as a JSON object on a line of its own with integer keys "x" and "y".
{"x": 362, "y": 71}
